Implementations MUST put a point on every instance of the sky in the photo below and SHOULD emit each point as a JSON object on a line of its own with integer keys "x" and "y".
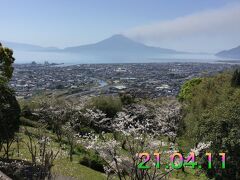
{"x": 186, "y": 25}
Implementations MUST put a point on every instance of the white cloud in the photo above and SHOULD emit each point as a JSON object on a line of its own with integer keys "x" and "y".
{"x": 209, "y": 31}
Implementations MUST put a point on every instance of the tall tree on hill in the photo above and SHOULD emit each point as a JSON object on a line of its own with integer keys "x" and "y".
{"x": 9, "y": 107}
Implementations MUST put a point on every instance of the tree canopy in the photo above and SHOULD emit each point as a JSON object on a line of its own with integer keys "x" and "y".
{"x": 6, "y": 61}
{"x": 212, "y": 115}
{"x": 186, "y": 90}
{"x": 9, "y": 113}
{"x": 9, "y": 107}
{"x": 235, "y": 81}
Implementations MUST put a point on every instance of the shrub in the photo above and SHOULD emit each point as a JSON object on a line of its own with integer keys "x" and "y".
{"x": 109, "y": 105}
{"x": 235, "y": 81}
{"x": 93, "y": 161}
{"x": 27, "y": 122}
{"x": 85, "y": 130}
{"x": 80, "y": 150}
{"x": 126, "y": 99}
{"x": 187, "y": 87}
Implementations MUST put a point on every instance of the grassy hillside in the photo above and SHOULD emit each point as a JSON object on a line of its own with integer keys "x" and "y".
{"x": 62, "y": 165}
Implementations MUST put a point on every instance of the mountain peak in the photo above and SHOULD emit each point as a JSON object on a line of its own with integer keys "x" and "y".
{"x": 118, "y": 35}
{"x": 233, "y": 53}
{"x": 118, "y": 38}
{"x": 119, "y": 44}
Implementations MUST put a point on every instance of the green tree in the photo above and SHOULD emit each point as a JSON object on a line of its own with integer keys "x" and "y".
{"x": 221, "y": 127}
{"x": 9, "y": 107}
{"x": 235, "y": 81}
{"x": 187, "y": 87}
{"x": 6, "y": 61}
{"x": 109, "y": 105}
{"x": 126, "y": 99}
{"x": 212, "y": 115}
{"x": 9, "y": 117}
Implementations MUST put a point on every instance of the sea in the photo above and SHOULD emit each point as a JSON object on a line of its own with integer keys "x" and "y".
{"x": 23, "y": 57}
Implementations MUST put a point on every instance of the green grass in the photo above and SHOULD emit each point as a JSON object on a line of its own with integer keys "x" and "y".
{"x": 189, "y": 174}
{"x": 62, "y": 165}
{"x": 74, "y": 169}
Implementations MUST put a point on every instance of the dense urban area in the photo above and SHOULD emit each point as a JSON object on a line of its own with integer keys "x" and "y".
{"x": 143, "y": 80}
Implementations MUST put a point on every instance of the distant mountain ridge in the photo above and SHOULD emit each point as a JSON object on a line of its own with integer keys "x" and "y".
{"x": 116, "y": 45}
{"x": 233, "y": 53}
{"x": 27, "y": 47}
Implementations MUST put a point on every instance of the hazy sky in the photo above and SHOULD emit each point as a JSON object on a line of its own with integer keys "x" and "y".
{"x": 192, "y": 25}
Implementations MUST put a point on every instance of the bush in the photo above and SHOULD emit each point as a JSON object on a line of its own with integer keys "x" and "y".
{"x": 235, "y": 81}
{"x": 27, "y": 113}
{"x": 109, "y": 105}
{"x": 187, "y": 88}
{"x": 80, "y": 150}
{"x": 93, "y": 161}
{"x": 85, "y": 130}
{"x": 126, "y": 99}
{"x": 27, "y": 122}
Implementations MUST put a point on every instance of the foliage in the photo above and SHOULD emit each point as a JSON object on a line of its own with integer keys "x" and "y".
{"x": 235, "y": 81}
{"x": 107, "y": 104}
{"x": 9, "y": 107}
{"x": 27, "y": 122}
{"x": 6, "y": 61}
{"x": 20, "y": 166}
{"x": 71, "y": 138}
{"x": 186, "y": 89}
{"x": 56, "y": 113}
{"x": 135, "y": 130}
{"x": 26, "y": 112}
{"x": 126, "y": 99}
{"x": 9, "y": 115}
{"x": 93, "y": 161}
{"x": 42, "y": 153}
{"x": 212, "y": 116}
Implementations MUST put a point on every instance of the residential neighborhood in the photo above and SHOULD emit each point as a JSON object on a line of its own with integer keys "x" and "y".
{"x": 143, "y": 80}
